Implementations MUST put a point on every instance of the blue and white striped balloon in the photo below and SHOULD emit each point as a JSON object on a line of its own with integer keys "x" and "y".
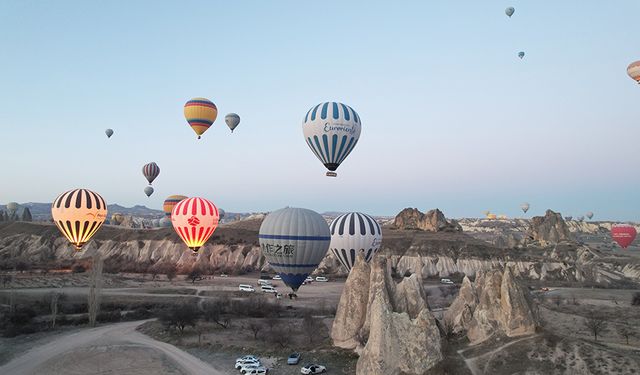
{"x": 354, "y": 232}
{"x": 294, "y": 241}
{"x": 331, "y": 130}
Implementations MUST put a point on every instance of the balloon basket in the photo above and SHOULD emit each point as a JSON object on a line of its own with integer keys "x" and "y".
{"x": 332, "y": 174}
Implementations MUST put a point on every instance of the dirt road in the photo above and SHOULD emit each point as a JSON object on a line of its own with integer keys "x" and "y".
{"x": 112, "y": 349}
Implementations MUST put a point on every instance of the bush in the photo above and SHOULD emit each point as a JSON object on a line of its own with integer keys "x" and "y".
{"x": 78, "y": 268}
{"x": 635, "y": 300}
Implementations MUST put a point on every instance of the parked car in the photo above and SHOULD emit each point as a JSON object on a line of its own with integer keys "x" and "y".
{"x": 247, "y": 362}
{"x": 250, "y": 366}
{"x": 268, "y": 289}
{"x": 293, "y": 359}
{"x": 277, "y": 277}
{"x": 248, "y": 356}
{"x": 309, "y": 279}
{"x": 313, "y": 369}
{"x": 446, "y": 281}
{"x": 224, "y": 275}
{"x": 264, "y": 282}
{"x": 322, "y": 279}
{"x": 246, "y": 288}
{"x": 257, "y": 371}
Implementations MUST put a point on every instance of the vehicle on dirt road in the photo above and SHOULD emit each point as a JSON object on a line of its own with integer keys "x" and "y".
{"x": 246, "y": 288}
{"x": 313, "y": 369}
{"x": 247, "y": 363}
{"x": 322, "y": 279}
{"x": 293, "y": 359}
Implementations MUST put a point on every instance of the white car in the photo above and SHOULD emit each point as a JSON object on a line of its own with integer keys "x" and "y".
{"x": 277, "y": 277}
{"x": 246, "y": 288}
{"x": 248, "y": 356}
{"x": 309, "y": 279}
{"x": 313, "y": 369}
{"x": 268, "y": 289}
{"x": 446, "y": 281}
{"x": 264, "y": 282}
{"x": 257, "y": 371}
{"x": 247, "y": 362}
{"x": 321, "y": 279}
{"x": 224, "y": 275}
{"x": 250, "y": 366}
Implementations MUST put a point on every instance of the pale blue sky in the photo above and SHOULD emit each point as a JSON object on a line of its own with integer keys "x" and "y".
{"x": 451, "y": 117}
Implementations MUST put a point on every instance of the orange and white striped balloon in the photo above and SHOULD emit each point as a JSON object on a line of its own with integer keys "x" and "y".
{"x": 79, "y": 214}
{"x": 633, "y": 70}
{"x": 195, "y": 219}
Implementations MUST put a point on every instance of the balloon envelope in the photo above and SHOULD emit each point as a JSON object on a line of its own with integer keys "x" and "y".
{"x": 294, "y": 241}
{"x": 520, "y": 54}
{"x": 108, "y": 132}
{"x": 165, "y": 222}
{"x": 148, "y": 190}
{"x": 195, "y": 219}
{"x": 525, "y": 207}
{"x": 200, "y": 113}
{"x": 331, "y": 130}
{"x": 352, "y": 233}
{"x": 633, "y": 70}
{"x": 170, "y": 202}
{"x": 12, "y": 207}
{"x": 79, "y": 214}
{"x": 232, "y": 120}
{"x": 589, "y": 215}
{"x": 509, "y": 11}
{"x": 623, "y": 234}
{"x": 150, "y": 171}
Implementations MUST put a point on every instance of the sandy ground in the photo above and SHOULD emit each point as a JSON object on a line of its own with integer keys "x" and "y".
{"x": 112, "y": 349}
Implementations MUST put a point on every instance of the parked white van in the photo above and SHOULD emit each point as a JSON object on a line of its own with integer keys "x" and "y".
{"x": 268, "y": 289}
{"x": 446, "y": 281}
{"x": 246, "y": 288}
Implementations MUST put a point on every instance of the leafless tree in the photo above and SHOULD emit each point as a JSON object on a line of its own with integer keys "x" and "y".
{"x": 55, "y": 296}
{"x": 596, "y": 324}
{"x": 626, "y": 332}
{"x": 311, "y": 327}
{"x": 557, "y": 300}
{"x": 6, "y": 280}
{"x": 213, "y": 312}
{"x": 194, "y": 275}
{"x": 280, "y": 336}
{"x": 255, "y": 327}
{"x": 95, "y": 286}
{"x": 574, "y": 300}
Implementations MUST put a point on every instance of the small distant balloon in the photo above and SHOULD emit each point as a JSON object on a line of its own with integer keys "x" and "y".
{"x": 200, "y": 113}
{"x": 12, "y": 207}
{"x": 221, "y": 213}
{"x": 633, "y": 70}
{"x": 170, "y": 202}
{"x": 525, "y": 207}
{"x": 521, "y": 55}
{"x": 232, "y": 120}
{"x": 589, "y": 215}
{"x": 150, "y": 171}
{"x": 148, "y": 191}
{"x": 623, "y": 234}
{"x": 509, "y": 11}
{"x": 108, "y": 132}
{"x": 568, "y": 218}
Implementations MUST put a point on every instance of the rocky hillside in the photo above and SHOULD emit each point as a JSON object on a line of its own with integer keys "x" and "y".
{"x": 234, "y": 248}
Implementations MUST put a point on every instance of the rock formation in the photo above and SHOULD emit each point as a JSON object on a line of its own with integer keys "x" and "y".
{"x": 549, "y": 229}
{"x": 389, "y": 325}
{"x": 496, "y": 304}
{"x": 26, "y": 215}
{"x": 432, "y": 221}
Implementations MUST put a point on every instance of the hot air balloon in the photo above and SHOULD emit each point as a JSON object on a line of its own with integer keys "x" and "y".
{"x": 79, "y": 214}
{"x": 148, "y": 190}
{"x": 331, "y": 130}
{"x": 116, "y": 219}
{"x": 294, "y": 241}
{"x": 232, "y": 120}
{"x": 521, "y": 54}
{"x": 509, "y": 11}
{"x": 352, "y": 233}
{"x": 568, "y": 218}
{"x": 195, "y": 219}
{"x": 633, "y": 70}
{"x": 580, "y": 218}
{"x": 170, "y": 202}
{"x": 200, "y": 114}
{"x": 108, "y": 132}
{"x": 150, "y": 171}
{"x": 524, "y": 207}
{"x": 486, "y": 212}
{"x": 12, "y": 208}
{"x": 221, "y": 213}
{"x": 623, "y": 234}
{"x": 589, "y": 215}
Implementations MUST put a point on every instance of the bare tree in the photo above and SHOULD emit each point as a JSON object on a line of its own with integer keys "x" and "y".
{"x": 311, "y": 327}
{"x": 280, "y": 336}
{"x": 557, "y": 300}
{"x": 6, "y": 280}
{"x": 626, "y": 332}
{"x": 55, "y": 296}
{"x": 596, "y": 324}
{"x": 171, "y": 272}
{"x": 194, "y": 275}
{"x": 574, "y": 300}
{"x": 255, "y": 327}
{"x": 271, "y": 322}
{"x": 213, "y": 313}
{"x": 179, "y": 316}
{"x": 95, "y": 286}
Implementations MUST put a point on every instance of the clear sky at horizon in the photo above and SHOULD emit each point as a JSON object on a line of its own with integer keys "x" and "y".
{"x": 451, "y": 117}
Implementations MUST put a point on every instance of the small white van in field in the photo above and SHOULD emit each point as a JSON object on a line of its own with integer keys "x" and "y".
{"x": 321, "y": 279}
{"x": 446, "y": 281}
{"x": 268, "y": 289}
{"x": 246, "y": 288}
